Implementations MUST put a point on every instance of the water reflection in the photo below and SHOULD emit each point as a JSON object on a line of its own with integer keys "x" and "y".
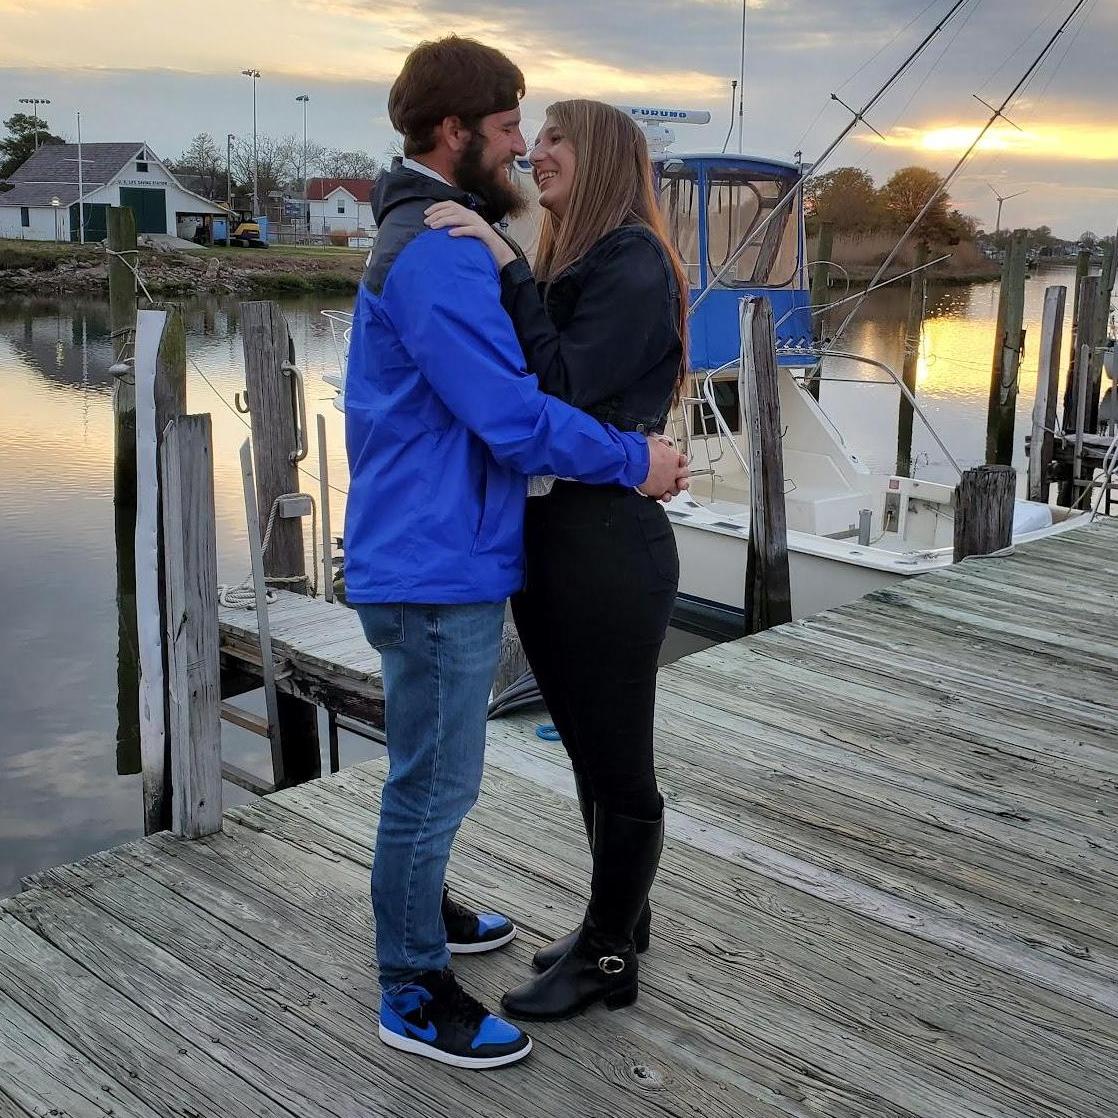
{"x": 65, "y": 594}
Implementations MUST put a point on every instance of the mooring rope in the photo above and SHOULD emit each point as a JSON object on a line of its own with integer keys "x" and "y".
{"x": 243, "y": 595}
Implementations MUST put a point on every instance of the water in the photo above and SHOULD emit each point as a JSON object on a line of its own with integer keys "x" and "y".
{"x": 60, "y": 793}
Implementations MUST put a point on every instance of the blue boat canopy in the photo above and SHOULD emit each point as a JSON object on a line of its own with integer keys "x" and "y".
{"x": 712, "y": 202}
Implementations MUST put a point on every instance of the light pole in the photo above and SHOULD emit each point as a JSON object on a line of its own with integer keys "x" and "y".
{"x": 35, "y": 102}
{"x": 55, "y": 203}
{"x": 254, "y": 74}
{"x": 229, "y": 138}
{"x": 304, "y": 98}
{"x": 1002, "y": 198}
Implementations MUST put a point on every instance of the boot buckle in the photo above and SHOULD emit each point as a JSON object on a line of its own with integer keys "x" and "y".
{"x": 611, "y": 964}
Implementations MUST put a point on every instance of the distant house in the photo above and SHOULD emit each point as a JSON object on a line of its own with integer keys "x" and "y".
{"x": 43, "y": 202}
{"x": 340, "y": 205}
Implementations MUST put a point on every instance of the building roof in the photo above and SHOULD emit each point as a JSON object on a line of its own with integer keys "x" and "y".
{"x": 40, "y": 193}
{"x": 361, "y": 189}
{"x": 58, "y": 163}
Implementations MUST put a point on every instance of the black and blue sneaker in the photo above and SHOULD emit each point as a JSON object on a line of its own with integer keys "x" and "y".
{"x": 471, "y": 933}
{"x": 434, "y": 1017}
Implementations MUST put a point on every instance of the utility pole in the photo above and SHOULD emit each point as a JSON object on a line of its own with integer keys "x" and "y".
{"x": 254, "y": 74}
{"x": 35, "y": 102}
{"x": 304, "y": 98}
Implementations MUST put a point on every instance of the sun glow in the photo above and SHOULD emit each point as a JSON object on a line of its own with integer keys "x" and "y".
{"x": 1078, "y": 141}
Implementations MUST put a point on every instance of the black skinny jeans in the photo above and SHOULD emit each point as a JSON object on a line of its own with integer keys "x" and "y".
{"x": 602, "y": 572}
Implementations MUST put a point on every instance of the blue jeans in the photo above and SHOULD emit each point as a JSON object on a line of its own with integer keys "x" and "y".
{"x": 437, "y": 663}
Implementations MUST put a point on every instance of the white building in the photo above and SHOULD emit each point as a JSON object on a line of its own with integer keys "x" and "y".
{"x": 43, "y": 202}
{"x": 340, "y": 205}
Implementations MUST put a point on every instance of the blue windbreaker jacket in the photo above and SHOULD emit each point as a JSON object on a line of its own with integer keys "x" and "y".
{"x": 443, "y": 423}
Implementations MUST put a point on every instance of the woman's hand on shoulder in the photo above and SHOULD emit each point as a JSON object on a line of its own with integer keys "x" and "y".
{"x": 466, "y": 223}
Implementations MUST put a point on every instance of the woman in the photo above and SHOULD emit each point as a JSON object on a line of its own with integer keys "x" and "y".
{"x": 602, "y": 323}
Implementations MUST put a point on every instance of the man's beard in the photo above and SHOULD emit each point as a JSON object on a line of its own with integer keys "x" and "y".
{"x": 500, "y": 197}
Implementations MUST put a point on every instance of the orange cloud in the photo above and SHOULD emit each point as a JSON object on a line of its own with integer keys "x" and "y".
{"x": 1079, "y": 141}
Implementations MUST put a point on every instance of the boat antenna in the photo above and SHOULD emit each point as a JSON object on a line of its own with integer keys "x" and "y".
{"x": 995, "y": 115}
{"x": 733, "y": 105}
{"x": 857, "y": 116}
{"x": 741, "y": 78}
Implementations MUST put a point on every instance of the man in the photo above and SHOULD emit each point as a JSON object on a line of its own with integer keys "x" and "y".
{"x": 442, "y": 425}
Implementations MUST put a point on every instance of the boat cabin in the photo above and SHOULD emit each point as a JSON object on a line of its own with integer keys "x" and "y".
{"x": 712, "y": 202}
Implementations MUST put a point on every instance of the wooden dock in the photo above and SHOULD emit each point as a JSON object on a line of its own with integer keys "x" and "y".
{"x": 890, "y": 889}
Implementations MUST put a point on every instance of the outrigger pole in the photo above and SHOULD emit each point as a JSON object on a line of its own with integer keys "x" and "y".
{"x": 995, "y": 114}
{"x": 857, "y": 116}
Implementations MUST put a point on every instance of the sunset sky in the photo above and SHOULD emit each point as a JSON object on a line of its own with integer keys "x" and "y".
{"x": 164, "y": 70}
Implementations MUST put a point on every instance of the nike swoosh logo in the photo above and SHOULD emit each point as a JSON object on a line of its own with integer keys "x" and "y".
{"x": 428, "y": 1033}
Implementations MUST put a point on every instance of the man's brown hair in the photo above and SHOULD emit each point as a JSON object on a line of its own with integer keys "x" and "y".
{"x": 450, "y": 77}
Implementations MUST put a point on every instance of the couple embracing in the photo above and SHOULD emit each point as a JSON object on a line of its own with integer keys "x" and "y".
{"x": 474, "y": 380}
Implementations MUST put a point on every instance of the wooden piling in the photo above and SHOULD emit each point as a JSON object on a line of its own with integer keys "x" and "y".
{"x": 1042, "y": 441}
{"x": 277, "y": 441}
{"x": 193, "y": 660}
{"x": 984, "y": 510}
{"x": 160, "y": 397}
{"x": 121, "y": 228}
{"x": 911, "y": 361}
{"x": 768, "y": 596}
{"x": 1008, "y": 346}
{"x": 820, "y": 289}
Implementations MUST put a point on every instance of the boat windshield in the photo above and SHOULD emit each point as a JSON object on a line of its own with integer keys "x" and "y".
{"x": 738, "y": 200}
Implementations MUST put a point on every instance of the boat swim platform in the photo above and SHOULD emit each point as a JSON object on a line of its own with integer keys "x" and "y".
{"x": 889, "y": 889}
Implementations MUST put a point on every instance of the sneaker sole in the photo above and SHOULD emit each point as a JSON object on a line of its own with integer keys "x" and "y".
{"x": 474, "y": 1063}
{"x": 481, "y": 946}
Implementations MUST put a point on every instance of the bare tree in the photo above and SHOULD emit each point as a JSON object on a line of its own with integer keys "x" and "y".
{"x": 337, "y": 164}
{"x": 203, "y": 158}
{"x": 279, "y": 159}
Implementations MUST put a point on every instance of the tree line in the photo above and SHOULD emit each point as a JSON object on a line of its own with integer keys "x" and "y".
{"x": 850, "y": 200}
{"x": 279, "y": 160}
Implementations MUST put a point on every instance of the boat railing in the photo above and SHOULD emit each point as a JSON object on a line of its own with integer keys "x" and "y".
{"x": 894, "y": 379}
{"x": 341, "y": 327}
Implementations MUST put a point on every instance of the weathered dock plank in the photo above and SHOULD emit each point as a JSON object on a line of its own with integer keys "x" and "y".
{"x": 890, "y": 890}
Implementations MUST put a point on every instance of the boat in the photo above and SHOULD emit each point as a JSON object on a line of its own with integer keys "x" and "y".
{"x": 850, "y": 531}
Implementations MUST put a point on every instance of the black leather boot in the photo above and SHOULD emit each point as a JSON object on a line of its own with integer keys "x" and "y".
{"x": 550, "y": 954}
{"x": 601, "y": 964}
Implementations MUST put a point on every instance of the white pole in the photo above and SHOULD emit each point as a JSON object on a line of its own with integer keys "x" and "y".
{"x": 255, "y": 155}
{"x": 81, "y": 186}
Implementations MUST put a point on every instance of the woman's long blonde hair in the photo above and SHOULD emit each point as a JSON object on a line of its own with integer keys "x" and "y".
{"x": 612, "y": 187}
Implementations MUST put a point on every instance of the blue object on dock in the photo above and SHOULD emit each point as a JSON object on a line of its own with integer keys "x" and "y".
{"x": 547, "y": 732}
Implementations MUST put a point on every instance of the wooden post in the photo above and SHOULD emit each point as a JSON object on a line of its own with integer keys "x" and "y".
{"x": 121, "y": 228}
{"x": 984, "y": 510}
{"x": 768, "y": 595}
{"x": 1082, "y": 327}
{"x": 820, "y": 288}
{"x": 1095, "y": 334}
{"x": 193, "y": 660}
{"x": 1008, "y": 345}
{"x": 911, "y": 361}
{"x": 268, "y": 350}
{"x": 1042, "y": 442}
{"x": 1082, "y": 271}
{"x": 260, "y": 588}
{"x": 160, "y": 397}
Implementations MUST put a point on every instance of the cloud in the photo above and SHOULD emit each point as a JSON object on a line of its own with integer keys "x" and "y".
{"x": 1072, "y": 142}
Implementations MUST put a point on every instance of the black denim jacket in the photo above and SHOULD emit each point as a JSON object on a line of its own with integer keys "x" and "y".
{"x": 604, "y": 336}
